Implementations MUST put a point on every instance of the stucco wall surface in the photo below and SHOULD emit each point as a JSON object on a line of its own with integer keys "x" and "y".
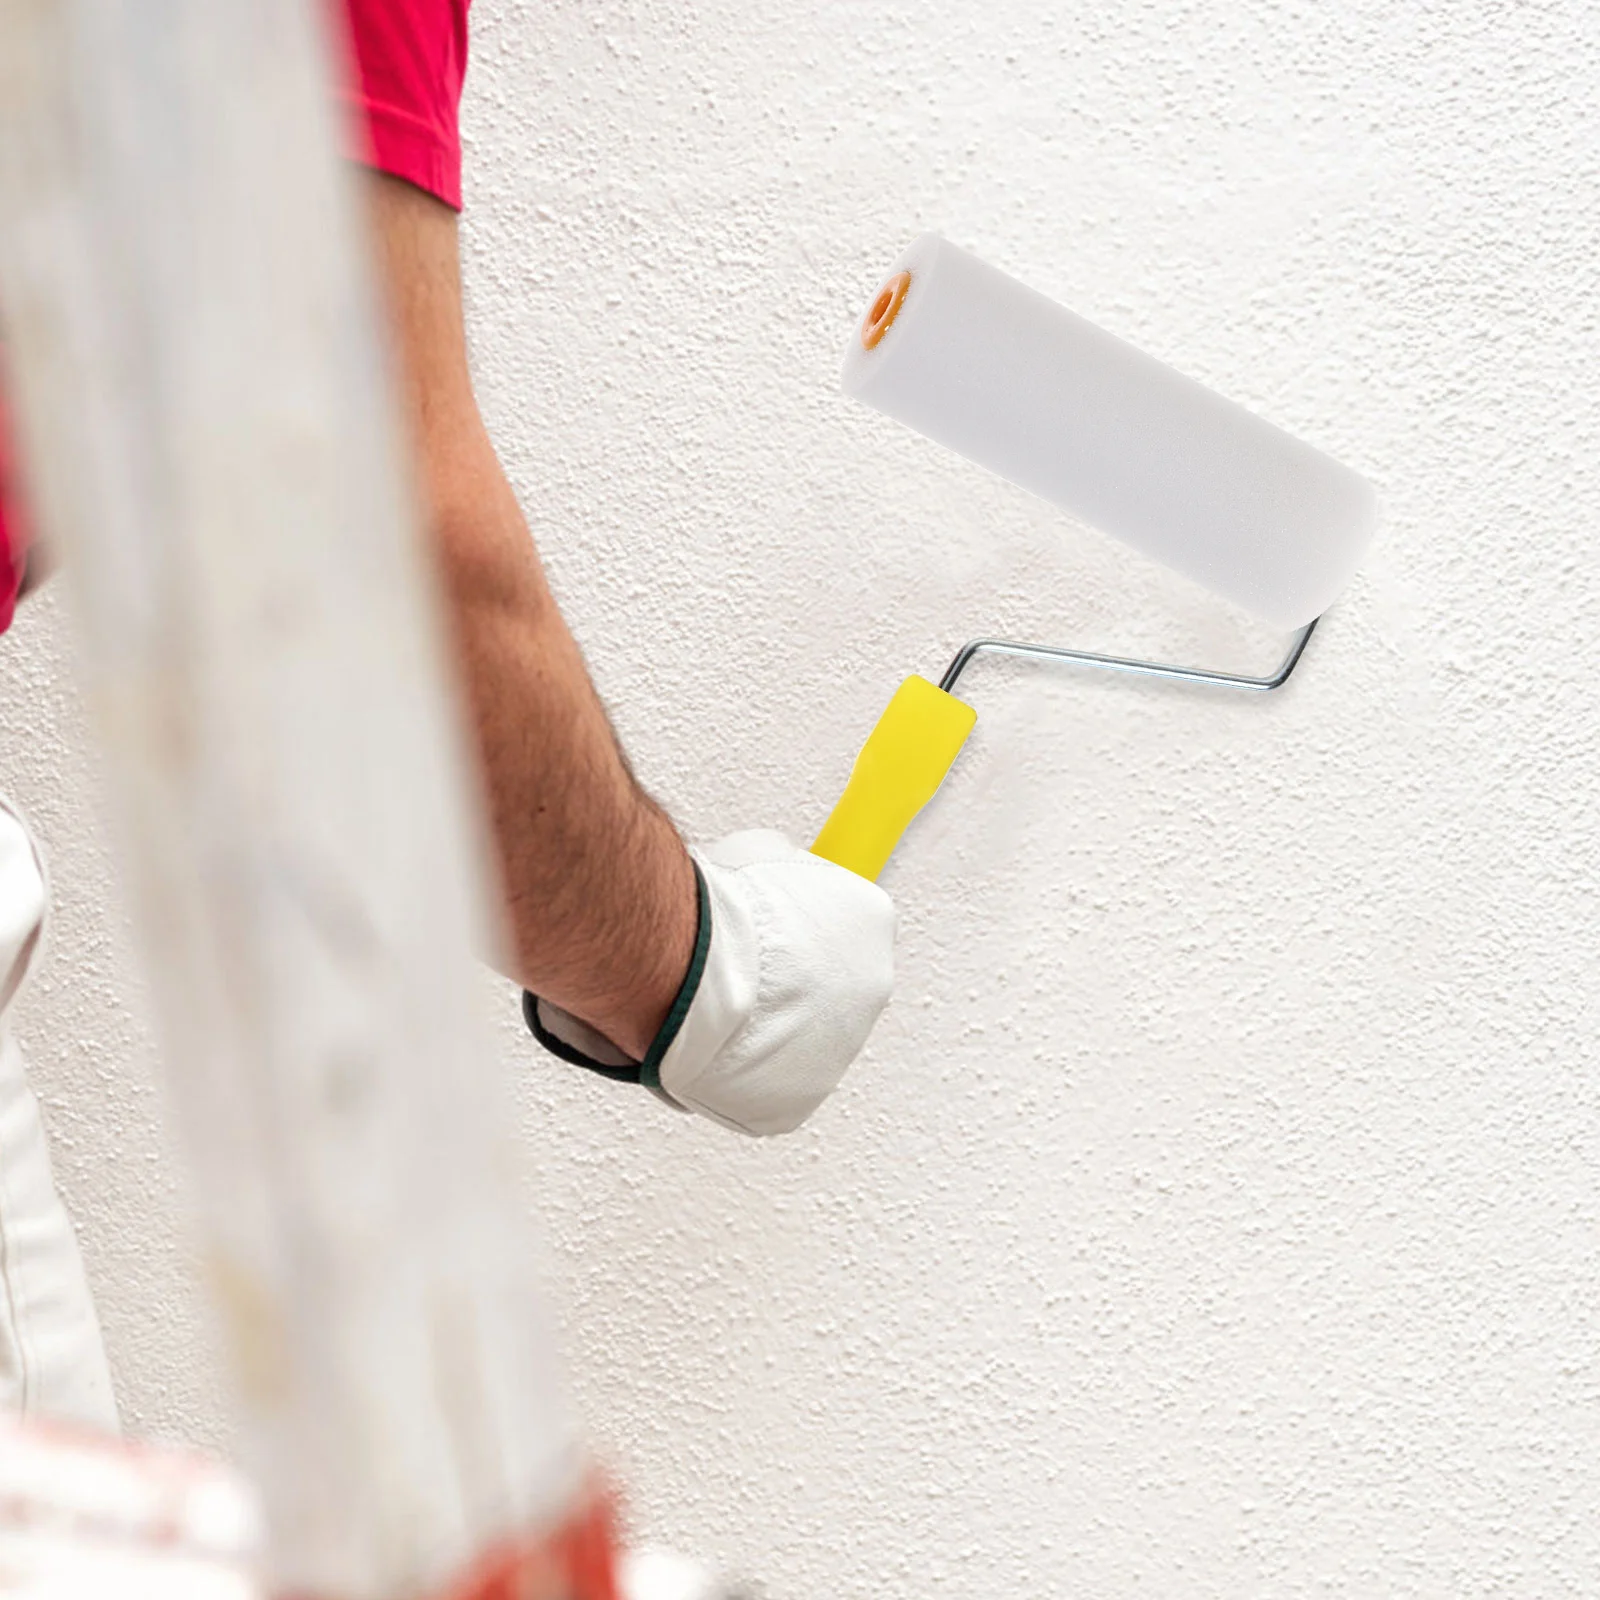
{"x": 1216, "y": 1211}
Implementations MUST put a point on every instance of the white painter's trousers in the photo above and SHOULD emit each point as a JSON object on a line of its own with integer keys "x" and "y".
{"x": 52, "y": 1362}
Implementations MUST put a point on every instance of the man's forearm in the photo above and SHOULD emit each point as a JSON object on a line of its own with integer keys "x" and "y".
{"x": 598, "y": 885}
{"x": 599, "y": 889}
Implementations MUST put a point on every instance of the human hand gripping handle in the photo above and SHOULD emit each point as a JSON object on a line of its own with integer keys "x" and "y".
{"x": 794, "y": 959}
{"x": 793, "y": 962}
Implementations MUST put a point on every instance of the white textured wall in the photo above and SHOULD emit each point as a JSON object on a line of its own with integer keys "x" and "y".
{"x": 1217, "y": 1211}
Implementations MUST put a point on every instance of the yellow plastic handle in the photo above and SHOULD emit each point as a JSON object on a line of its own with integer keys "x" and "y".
{"x": 897, "y": 773}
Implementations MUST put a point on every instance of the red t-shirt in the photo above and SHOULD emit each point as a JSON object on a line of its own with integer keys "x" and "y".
{"x": 407, "y": 61}
{"x": 410, "y": 59}
{"x": 13, "y": 534}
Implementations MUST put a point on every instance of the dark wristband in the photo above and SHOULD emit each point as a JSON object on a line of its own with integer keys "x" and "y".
{"x": 647, "y": 1071}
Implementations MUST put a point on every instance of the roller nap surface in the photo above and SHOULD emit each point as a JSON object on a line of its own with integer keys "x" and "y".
{"x": 977, "y": 361}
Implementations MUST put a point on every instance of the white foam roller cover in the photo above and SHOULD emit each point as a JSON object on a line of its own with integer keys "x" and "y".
{"x": 979, "y": 362}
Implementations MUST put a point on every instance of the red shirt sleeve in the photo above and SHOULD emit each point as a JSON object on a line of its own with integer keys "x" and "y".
{"x": 408, "y": 59}
{"x": 13, "y": 533}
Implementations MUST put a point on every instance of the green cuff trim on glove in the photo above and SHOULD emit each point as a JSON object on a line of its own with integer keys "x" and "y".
{"x": 650, "y": 1067}
{"x": 648, "y": 1071}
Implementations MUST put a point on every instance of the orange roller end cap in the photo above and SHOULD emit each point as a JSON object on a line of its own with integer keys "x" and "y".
{"x": 880, "y": 318}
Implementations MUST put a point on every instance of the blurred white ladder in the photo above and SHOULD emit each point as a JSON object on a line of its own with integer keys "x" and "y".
{"x": 209, "y": 436}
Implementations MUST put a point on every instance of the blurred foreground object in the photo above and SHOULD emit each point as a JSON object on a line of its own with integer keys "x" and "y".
{"x": 205, "y": 410}
{"x": 85, "y": 1516}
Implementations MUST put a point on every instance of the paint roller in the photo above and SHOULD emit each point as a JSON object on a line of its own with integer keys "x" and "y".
{"x": 1006, "y": 377}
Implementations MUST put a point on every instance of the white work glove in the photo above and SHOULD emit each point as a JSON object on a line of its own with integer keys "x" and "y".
{"x": 793, "y": 963}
